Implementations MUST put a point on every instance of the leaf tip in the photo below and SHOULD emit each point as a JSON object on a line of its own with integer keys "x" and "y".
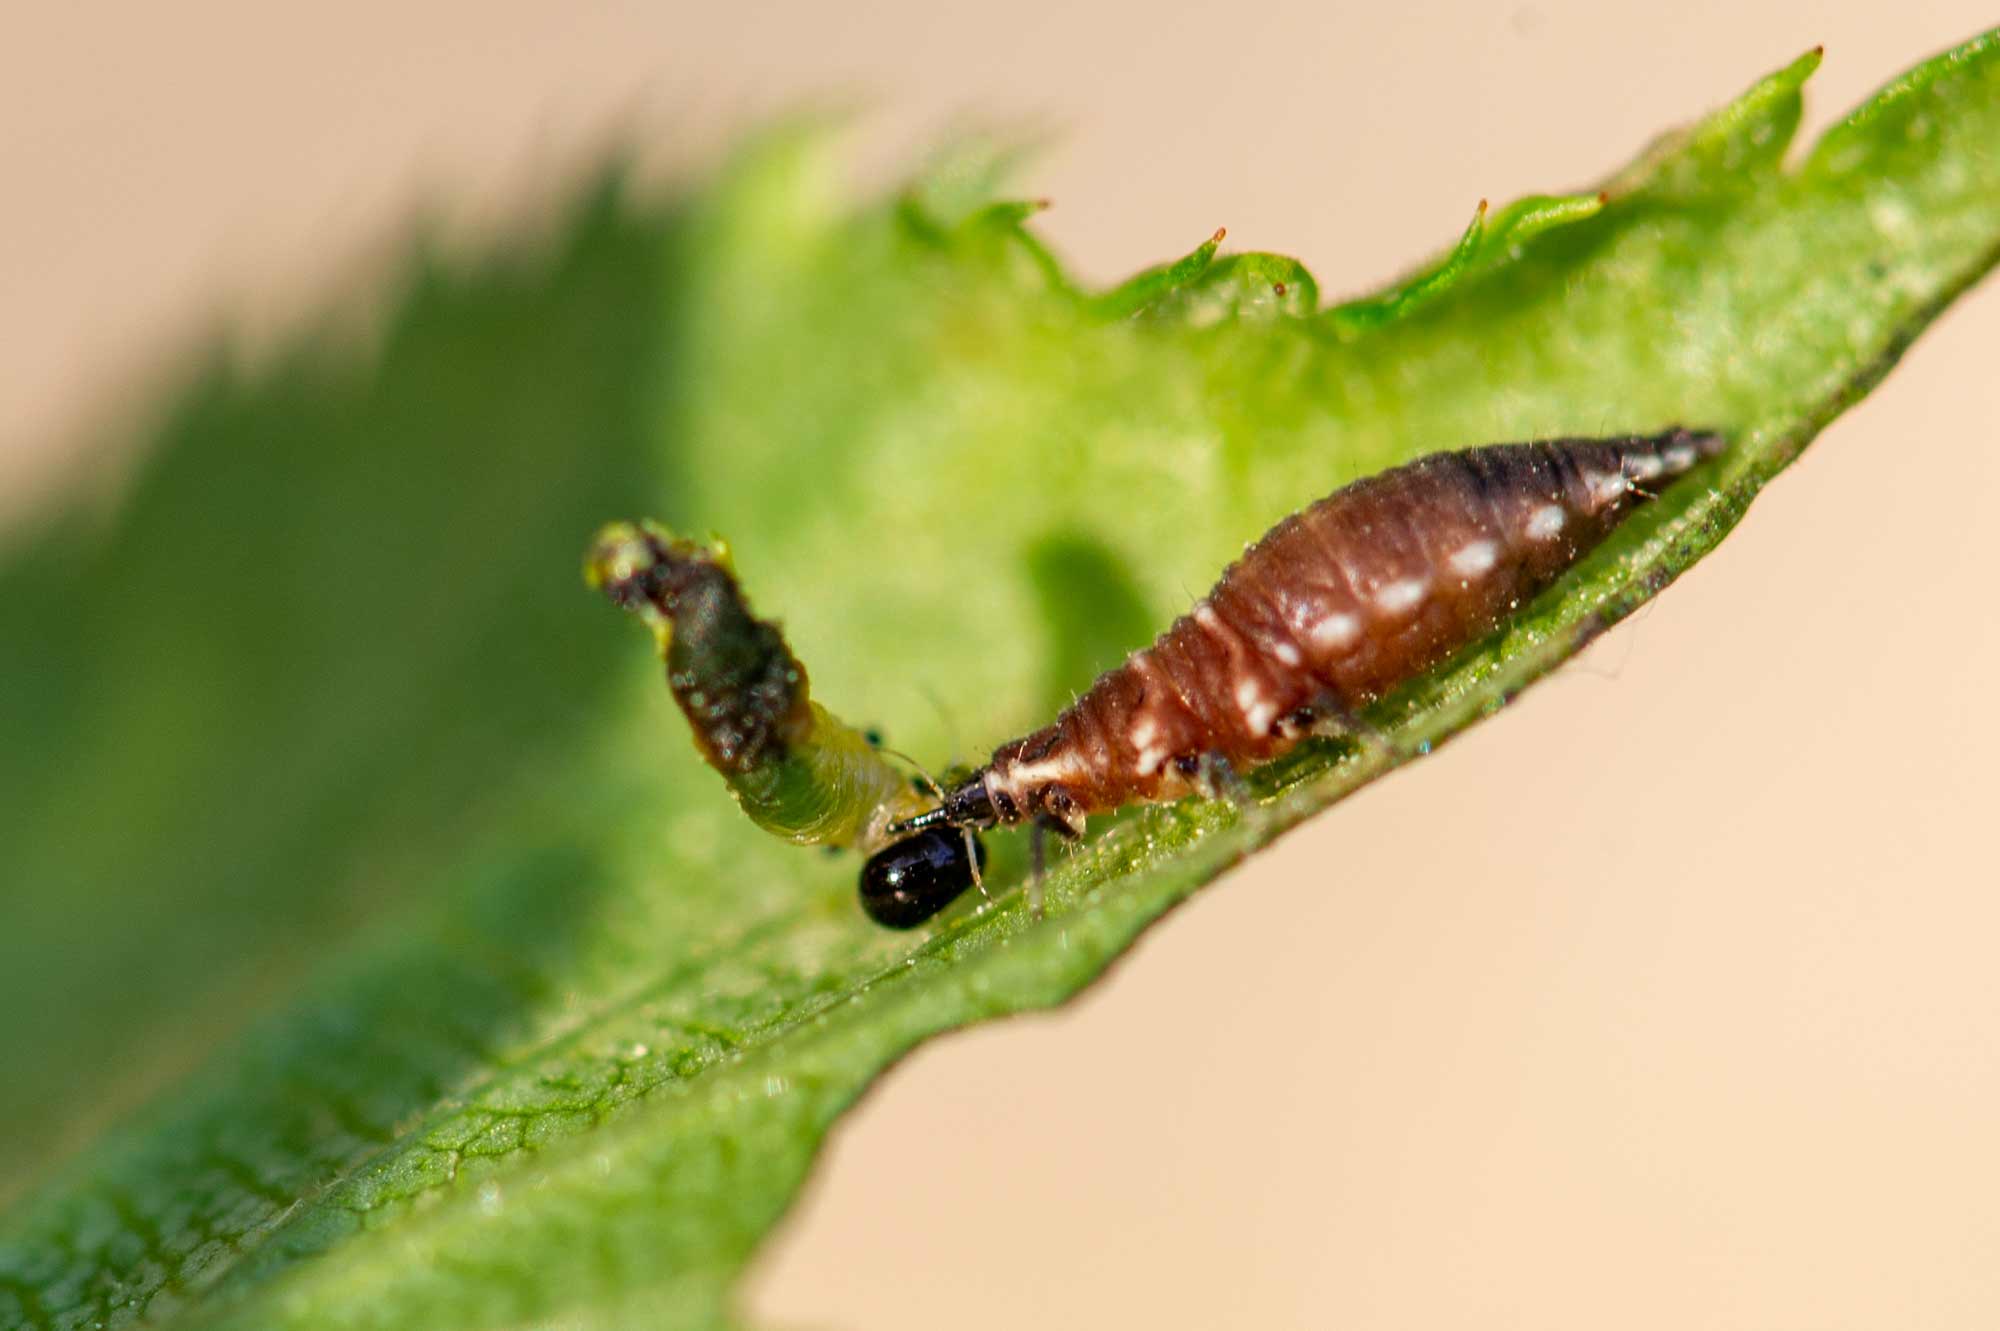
{"x": 1803, "y": 67}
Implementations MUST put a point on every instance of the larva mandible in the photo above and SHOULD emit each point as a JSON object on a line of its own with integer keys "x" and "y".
{"x": 1335, "y": 606}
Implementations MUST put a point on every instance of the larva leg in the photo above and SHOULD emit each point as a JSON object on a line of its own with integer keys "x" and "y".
{"x": 1038, "y": 855}
{"x": 1333, "y": 719}
{"x": 1038, "y": 852}
{"x": 972, "y": 856}
{"x": 1217, "y": 778}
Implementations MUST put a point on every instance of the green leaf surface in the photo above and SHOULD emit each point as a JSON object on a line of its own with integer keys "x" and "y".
{"x": 333, "y": 802}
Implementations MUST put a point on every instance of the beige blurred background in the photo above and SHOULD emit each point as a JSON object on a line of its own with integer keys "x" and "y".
{"x": 1668, "y": 999}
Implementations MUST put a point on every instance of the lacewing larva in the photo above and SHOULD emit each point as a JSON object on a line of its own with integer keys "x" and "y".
{"x": 1335, "y": 606}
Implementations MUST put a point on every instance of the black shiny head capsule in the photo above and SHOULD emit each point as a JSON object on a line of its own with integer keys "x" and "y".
{"x": 906, "y": 883}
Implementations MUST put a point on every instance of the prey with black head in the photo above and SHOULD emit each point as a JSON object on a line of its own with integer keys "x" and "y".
{"x": 909, "y": 881}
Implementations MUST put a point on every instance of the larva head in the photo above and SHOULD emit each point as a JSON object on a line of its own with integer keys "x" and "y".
{"x": 908, "y": 881}
{"x": 969, "y": 803}
{"x": 625, "y": 562}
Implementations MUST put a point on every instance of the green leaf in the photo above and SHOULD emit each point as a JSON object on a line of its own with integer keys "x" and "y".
{"x": 332, "y": 799}
{"x": 1485, "y": 244}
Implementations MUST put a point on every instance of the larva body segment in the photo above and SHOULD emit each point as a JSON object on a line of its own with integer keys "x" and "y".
{"x": 1334, "y": 607}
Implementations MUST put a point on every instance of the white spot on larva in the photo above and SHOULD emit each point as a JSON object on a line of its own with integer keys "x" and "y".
{"x": 1336, "y": 630}
{"x": 1286, "y": 653}
{"x": 1402, "y": 595}
{"x": 1143, "y": 732}
{"x": 1643, "y": 467}
{"x": 1205, "y": 615}
{"x": 1609, "y": 486}
{"x": 1678, "y": 457}
{"x": 1258, "y": 711}
{"x": 1022, "y": 776}
{"x": 1545, "y": 522}
{"x": 1150, "y": 759}
{"x": 1472, "y": 560}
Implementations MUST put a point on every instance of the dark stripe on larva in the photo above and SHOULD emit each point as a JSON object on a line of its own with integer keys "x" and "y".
{"x": 1335, "y": 606}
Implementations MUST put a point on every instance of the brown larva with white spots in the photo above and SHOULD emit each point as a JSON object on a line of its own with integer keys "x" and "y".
{"x": 1334, "y": 607}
